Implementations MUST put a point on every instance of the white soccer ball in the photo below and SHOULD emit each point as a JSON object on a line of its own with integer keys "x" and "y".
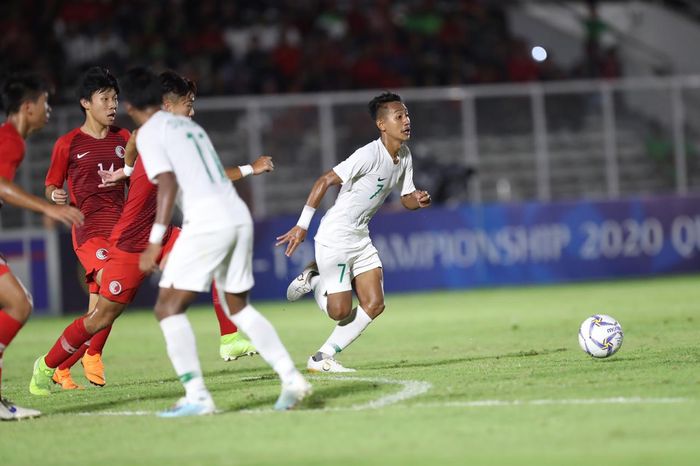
{"x": 600, "y": 336}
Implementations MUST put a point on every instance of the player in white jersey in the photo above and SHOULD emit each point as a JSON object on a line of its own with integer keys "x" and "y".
{"x": 346, "y": 259}
{"x": 216, "y": 242}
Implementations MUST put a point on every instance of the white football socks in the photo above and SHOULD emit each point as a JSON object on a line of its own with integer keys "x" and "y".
{"x": 182, "y": 350}
{"x": 265, "y": 339}
{"x": 343, "y": 335}
{"x": 319, "y": 293}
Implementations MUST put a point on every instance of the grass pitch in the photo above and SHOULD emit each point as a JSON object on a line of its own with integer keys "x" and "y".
{"x": 482, "y": 377}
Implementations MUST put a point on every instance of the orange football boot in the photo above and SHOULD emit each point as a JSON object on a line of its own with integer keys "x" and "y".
{"x": 94, "y": 369}
{"x": 62, "y": 377}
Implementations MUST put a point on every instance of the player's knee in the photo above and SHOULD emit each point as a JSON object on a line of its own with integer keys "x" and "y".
{"x": 338, "y": 311}
{"x": 20, "y": 310}
{"x": 374, "y": 308}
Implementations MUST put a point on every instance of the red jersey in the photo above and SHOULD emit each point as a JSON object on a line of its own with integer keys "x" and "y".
{"x": 11, "y": 150}
{"x": 131, "y": 232}
{"x": 77, "y": 157}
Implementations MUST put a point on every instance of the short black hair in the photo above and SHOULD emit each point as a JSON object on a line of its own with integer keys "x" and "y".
{"x": 21, "y": 87}
{"x": 380, "y": 101}
{"x": 96, "y": 79}
{"x": 173, "y": 83}
{"x": 142, "y": 88}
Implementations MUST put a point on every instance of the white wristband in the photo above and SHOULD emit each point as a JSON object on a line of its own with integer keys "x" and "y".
{"x": 246, "y": 170}
{"x": 128, "y": 170}
{"x": 305, "y": 218}
{"x": 157, "y": 232}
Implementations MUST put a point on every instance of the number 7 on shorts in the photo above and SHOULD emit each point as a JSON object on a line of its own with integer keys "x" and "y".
{"x": 342, "y": 271}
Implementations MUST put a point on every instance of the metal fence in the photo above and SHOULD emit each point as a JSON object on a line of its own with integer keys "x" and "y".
{"x": 540, "y": 141}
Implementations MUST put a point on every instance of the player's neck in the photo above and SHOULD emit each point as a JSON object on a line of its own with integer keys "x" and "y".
{"x": 142, "y": 116}
{"x": 392, "y": 146}
{"x": 94, "y": 128}
{"x": 20, "y": 124}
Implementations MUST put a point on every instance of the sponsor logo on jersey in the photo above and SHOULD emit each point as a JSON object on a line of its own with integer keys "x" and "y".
{"x": 101, "y": 254}
{"x": 80, "y": 156}
{"x": 120, "y": 151}
{"x": 115, "y": 287}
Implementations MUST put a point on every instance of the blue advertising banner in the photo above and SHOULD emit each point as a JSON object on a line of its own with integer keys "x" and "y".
{"x": 509, "y": 244}
{"x": 32, "y": 256}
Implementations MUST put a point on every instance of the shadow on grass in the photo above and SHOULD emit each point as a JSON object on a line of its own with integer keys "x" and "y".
{"x": 445, "y": 362}
{"x": 89, "y": 407}
{"x": 317, "y": 400}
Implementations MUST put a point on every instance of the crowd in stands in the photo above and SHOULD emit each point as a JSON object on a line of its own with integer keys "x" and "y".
{"x": 276, "y": 46}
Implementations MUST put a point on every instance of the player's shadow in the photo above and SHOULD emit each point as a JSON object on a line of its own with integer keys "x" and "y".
{"x": 83, "y": 407}
{"x": 317, "y": 400}
{"x": 446, "y": 362}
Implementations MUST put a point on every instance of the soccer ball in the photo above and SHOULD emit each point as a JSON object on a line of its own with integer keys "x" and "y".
{"x": 600, "y": 336}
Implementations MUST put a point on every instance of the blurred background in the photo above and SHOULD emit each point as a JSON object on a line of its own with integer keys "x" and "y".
{"x": 559, "y": 139}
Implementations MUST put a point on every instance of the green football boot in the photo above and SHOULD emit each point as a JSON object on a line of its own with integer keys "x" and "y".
{"x": 234, "y": 346}
{"x": 41, "y": 378}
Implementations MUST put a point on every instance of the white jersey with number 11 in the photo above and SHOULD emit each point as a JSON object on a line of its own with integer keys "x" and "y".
{"x": 170, "y": 143}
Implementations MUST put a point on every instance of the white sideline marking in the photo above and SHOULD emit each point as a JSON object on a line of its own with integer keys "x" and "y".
{"x": 119, "y": 413}
{"x": 410, "y": 389}
{"x": 573, "y": 401}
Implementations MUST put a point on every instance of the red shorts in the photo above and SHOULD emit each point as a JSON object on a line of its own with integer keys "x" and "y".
{"x": 92, "y": 254}
{"x": 121, "y": 276}
{"x": 3, "y": 266}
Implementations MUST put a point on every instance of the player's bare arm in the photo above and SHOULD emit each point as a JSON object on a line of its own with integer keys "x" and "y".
{"x": 262, "y": 164}
{"x": 167, "y": 190}
{"x": 13, "y": 194}
{"x": 111, "y": 178}
{"x": 56, "y": 195}
{"x": 294, "y": 237}
{"x": 416, "y": 200}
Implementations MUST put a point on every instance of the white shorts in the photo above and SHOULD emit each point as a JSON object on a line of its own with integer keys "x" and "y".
{"x": 338, "y": 267}
{"x": 199, "y": 256}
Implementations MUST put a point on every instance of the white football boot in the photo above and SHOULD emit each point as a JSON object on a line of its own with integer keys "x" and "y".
{"x": 302, "y": 284}
{"x": 293, "y": 392}
{"x": 11, "y": 412}
{"x": 326, "y": 365}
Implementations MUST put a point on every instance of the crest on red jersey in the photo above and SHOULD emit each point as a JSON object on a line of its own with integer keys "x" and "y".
{"x": 115, "y": 287}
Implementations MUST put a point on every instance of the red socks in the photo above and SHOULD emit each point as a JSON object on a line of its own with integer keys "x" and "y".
{"x": 98, "y": 340}
{"x": 225, "y": 325}
{"x": 68, "y": 343}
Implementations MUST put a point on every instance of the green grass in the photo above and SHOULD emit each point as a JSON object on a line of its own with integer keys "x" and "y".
{"x": 496, "y": 344}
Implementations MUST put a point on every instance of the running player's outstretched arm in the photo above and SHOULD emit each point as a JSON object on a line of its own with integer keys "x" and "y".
{"x": 13, "y": 194}
{"x": 294, "y": 237}
{"x": 416, "y": 200}
{"x": 262, "y": 164}
{"x": 167, "y": 190}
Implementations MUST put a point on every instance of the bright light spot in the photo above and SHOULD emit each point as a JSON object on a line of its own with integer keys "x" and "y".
{"x": 539, "y": 53}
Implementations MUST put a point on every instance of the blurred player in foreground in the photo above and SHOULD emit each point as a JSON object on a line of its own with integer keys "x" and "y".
{"x": 178, "y": 98}
{"x": 346, "y": 259}
{"x": 216, "y": 242}
{"x": 25, "y": 99}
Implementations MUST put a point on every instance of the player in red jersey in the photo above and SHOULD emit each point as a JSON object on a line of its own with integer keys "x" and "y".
{"x": 77, "y": 158}
{"x": 120, "y": 277}
{"x": 25, "y": 99}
